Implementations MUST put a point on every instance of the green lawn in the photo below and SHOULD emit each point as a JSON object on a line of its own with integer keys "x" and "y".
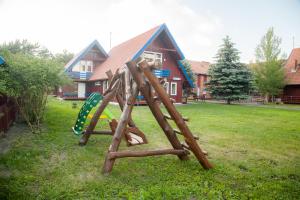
{"x": 255, "y": 152}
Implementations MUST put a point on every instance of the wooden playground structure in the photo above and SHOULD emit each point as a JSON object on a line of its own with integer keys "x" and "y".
{"x": 125, "y": 86}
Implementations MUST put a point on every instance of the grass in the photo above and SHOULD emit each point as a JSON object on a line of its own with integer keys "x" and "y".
{"x": 255, "y": 151}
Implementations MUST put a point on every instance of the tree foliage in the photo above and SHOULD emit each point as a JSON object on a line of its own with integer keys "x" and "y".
{"x": 268, "y": 71}
{"x": 64, "y": 57}
{"x": 27, "y": 48}
{"x": 229, "y": 80}
{"x": 28, "y": 78}
{"x": 188, "y": 69}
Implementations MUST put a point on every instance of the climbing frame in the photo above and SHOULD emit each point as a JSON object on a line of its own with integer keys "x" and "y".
{"x": 125, "y": 86}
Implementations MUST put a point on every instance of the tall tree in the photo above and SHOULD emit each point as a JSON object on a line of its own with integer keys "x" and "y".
{"x": 27, "y": 48}
{"x": 230, "y": 80}
{"x": 268, "y": 71}
{"x": 64, "y": 57}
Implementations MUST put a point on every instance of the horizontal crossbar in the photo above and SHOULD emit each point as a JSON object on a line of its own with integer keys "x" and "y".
{"x": 122, "y": 154}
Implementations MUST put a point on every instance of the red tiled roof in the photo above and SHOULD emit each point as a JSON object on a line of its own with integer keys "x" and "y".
{"x": 122, "y": 53}
{"x": 293, "y": 78}
{"x": 199, "y": 67}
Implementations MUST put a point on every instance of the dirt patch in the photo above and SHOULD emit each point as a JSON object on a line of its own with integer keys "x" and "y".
{"x": 13, "y": 133}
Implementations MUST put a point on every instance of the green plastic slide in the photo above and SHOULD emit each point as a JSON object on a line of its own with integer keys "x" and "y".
{"x": 88, "y": 105}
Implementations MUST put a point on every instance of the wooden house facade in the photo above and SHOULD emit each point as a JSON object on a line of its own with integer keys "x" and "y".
{"x": 291, "y": 91}
{"x": 200, "y": 70}
{"x": 88, "y": 68}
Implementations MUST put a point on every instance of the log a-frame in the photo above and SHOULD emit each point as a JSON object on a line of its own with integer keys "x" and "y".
{"x": 125, "y": 85}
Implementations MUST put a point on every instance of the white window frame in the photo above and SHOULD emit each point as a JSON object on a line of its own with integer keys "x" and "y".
{"x": 171, "y": 90}
{"x": 155, "y": 55}
{"x": 105, "y": 85}
{"x": 97, "y": 83}
{"x": 85, "y": 64}
{"x": 166, "y": 86}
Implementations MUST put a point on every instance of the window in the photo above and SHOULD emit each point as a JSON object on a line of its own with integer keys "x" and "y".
{"x": 173, "y": 88}
{"x": 152, "y": 56}
{"x": 105, "y": 85}
{"x": 89, "y": 65}
{"x": 82, "y": 68}
{"x": 97, "y": 83}
{"x": 86, "y": 66}
{"x": 166, "y": 86}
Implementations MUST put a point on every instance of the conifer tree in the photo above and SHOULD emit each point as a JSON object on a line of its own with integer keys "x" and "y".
{"x": 229, "y": 79}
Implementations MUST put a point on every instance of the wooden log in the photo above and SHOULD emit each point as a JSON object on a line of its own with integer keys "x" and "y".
{"x": 109, "y": 96}
{"x": 132, "y": 127}
{"x": 154, "y": 107}
{"x": 123, "y": 154}
{"x": 114, "y": 80}
{"x": 173, "y": 100}
{"x": 169, "y": 117}
{"x": 188, "y": 148}
{"x": 195, "y": 148}
{"x": 121, "y": 128}
{"x": 120, "y": 99}
{"x": 178, "y": 132}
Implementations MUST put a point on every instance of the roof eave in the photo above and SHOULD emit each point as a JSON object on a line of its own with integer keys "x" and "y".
{"x": 84, "y": 52}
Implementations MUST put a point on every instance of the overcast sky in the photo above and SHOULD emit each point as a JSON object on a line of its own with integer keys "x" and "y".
{"x": 197, "y": 25}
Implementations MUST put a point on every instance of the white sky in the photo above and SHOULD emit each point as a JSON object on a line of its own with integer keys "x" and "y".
{"x": 197, "y": 27}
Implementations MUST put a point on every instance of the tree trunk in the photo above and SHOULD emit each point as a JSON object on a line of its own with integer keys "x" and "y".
{"x": 267, "y": 98}
{"x": 228, "y": 101}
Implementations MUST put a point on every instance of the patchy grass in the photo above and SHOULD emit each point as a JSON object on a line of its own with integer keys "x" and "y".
{"x": 255, "y": 151}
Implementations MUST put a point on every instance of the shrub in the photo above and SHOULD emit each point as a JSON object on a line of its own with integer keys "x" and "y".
{"x": 28, "y": 79}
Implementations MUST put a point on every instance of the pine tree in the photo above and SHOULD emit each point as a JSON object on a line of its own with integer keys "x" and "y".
{"x": 230, "y": 80}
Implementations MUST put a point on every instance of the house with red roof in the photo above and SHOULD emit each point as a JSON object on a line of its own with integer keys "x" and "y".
{"x": 291, "y": 91}
{"x": 88, "y": 68}
{"x": 200, "y": 69}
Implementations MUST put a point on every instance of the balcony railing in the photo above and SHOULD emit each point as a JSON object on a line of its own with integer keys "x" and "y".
{"x": 79, "y": 75}
{"x": 161, "y": 73}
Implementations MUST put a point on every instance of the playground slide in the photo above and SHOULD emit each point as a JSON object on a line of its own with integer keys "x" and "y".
{"x": 88, "y": 105}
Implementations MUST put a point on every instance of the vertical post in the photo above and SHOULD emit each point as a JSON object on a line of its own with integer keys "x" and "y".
{"x": 155, "y": 109}
{"x": 110, "y": 95}
{"x": 189, "y": 138}
{"x": 120, "y": 99}
{"x": 121, "y": 128}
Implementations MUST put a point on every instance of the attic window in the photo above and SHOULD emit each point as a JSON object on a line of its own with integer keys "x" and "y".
{"x": 150, "y": 56}
{"x": 86, "y": 66}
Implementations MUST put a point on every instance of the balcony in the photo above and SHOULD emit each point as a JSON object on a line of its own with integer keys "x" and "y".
{"x": 79, "y": 75}
{"x": 161, "y": 73}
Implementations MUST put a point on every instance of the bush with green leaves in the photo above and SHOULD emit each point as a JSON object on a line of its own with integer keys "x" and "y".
{"x": 29, "y": 79}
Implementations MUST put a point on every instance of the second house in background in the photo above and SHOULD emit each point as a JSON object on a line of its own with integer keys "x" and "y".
{"x": 200, "y": 69}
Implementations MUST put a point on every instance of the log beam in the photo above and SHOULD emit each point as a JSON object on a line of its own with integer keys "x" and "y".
{"x": 195, "y": 148}
{"x": 154, "y": 107}
{"x": 109, "y": 96}
{"x": 121, "y": 128}
{"x": 123, "y": 154}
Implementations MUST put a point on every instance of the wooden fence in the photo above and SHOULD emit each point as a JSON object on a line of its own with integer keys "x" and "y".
{"x": 291, "y": 99}
{"x": 8, "y": 112}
